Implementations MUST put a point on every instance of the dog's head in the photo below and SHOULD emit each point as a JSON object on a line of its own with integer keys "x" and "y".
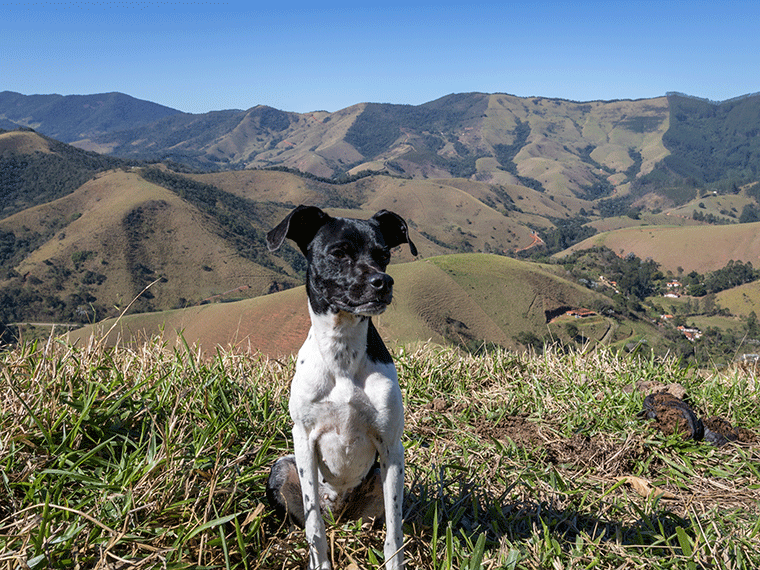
{"x": 346, "y": 257}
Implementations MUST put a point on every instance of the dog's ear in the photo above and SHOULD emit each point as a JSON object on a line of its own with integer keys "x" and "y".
{"x": 394, "y": 229}
{"x": 300, "y": 225}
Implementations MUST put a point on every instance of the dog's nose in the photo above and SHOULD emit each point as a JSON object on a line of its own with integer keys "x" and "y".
{"x": 381, "y": 281}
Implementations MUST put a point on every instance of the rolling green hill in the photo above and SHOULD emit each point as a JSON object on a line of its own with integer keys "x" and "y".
{"x": 35, "y": 169}
{"x": 692, "y": 248}
{"x": 741, "y": 300}
{"x": 88, "y": 254}
{"x": 465, "y": 300}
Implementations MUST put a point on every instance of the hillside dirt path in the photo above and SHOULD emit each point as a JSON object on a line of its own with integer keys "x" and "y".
{"x": 536, "y": 242}
{"x": 608, "y": 336}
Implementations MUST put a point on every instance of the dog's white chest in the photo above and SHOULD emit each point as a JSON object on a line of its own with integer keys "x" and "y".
{"x": 347, "y": 404}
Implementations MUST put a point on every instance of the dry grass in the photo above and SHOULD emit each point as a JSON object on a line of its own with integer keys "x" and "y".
{"x": 693, "y": 248}
{"x": 151, "y": 458}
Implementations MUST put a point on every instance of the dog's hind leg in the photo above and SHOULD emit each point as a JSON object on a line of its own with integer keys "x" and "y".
{"x": 284, "y": 490}
{"x": 365, "y": 501}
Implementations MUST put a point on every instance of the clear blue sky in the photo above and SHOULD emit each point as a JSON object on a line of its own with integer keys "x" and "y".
{"x": 204, "y": 56}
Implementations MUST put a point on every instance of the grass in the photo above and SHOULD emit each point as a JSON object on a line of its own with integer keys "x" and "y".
{"x": 699, "y": 248}
{"x": 157, "y": 458}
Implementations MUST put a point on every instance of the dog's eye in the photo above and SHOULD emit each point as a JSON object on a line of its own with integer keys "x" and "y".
{"x": 339, "y": 252}
{"x": 383, "y": 256}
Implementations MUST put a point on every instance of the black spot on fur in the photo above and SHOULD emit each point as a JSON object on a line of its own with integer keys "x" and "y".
{"x": 376, "y": 350}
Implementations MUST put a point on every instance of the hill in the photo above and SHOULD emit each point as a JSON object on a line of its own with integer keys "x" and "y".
{"x": 78, "y": 241}
{"x": 712, "y": 141}
{"x": 71, "y": 117}
{"x": 35, "y": 169}
{"x": 577, "y": 151}
{"x": 88, "y": 254}
{"x": 566, "y": 149}
{"x": 590, "y": 158}
{"x": 741, "y": 300}
{"x": 464, "y": 299}
{"x": 478, "y": 216}
{"x": 692, "y": 248}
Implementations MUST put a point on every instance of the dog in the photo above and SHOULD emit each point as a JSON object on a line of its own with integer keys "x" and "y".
{"x": 345, "y": 400}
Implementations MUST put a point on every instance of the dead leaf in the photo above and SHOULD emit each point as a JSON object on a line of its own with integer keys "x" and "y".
{"x": 645, "y": 488}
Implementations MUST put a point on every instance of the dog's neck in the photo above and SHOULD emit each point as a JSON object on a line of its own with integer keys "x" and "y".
{"x": 346, "y": 340}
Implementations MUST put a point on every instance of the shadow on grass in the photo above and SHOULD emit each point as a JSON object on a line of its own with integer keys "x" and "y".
{"x": 527, "y": 519}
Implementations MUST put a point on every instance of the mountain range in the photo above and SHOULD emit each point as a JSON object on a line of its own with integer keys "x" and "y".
{"x": 107, "y": 199}
{"x": 580, "y": 151}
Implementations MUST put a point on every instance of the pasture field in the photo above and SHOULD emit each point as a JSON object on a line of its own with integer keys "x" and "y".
{"x": 741, "y": 300}
{"x": 147, "y": 457}
{"x": 692, "y": 248}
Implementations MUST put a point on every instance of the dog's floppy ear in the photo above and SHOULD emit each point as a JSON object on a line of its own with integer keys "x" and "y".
{"x": 300, "y": 225}
{"x": 394, "y": 229}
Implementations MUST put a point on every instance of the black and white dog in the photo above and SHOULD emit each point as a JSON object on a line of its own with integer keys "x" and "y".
{"x": 345, "y": 400}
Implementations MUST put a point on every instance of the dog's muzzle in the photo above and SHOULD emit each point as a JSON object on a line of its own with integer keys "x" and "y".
{"x": 378, "y": 294}
{"x": 382, "y": 284}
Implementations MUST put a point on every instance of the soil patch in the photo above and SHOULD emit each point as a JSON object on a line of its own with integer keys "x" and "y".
{"x": 601, "y": 454}
{"x": 726, "y": 432}
{"x": 604, "y": 455}
{"x": 516, "y": 428}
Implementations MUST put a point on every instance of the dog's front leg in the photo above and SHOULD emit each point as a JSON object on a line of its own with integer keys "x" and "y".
{"x": 392, "y": 473}
{"x": 314, "y": 524}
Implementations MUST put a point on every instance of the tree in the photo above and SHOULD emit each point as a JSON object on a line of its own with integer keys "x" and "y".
{"x": 697, "y": 290}
{"x": 708, "y": 304}
{"x": 753, "y": 330}
{"x": 750, "y": 213}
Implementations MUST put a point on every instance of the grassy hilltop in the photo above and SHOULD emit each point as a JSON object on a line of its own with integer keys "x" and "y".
{"x": 692, "y": 248}
{"x": 148, "y": 457}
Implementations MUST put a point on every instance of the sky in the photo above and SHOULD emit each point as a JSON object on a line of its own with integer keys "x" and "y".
{"x": 205, "y": 56}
